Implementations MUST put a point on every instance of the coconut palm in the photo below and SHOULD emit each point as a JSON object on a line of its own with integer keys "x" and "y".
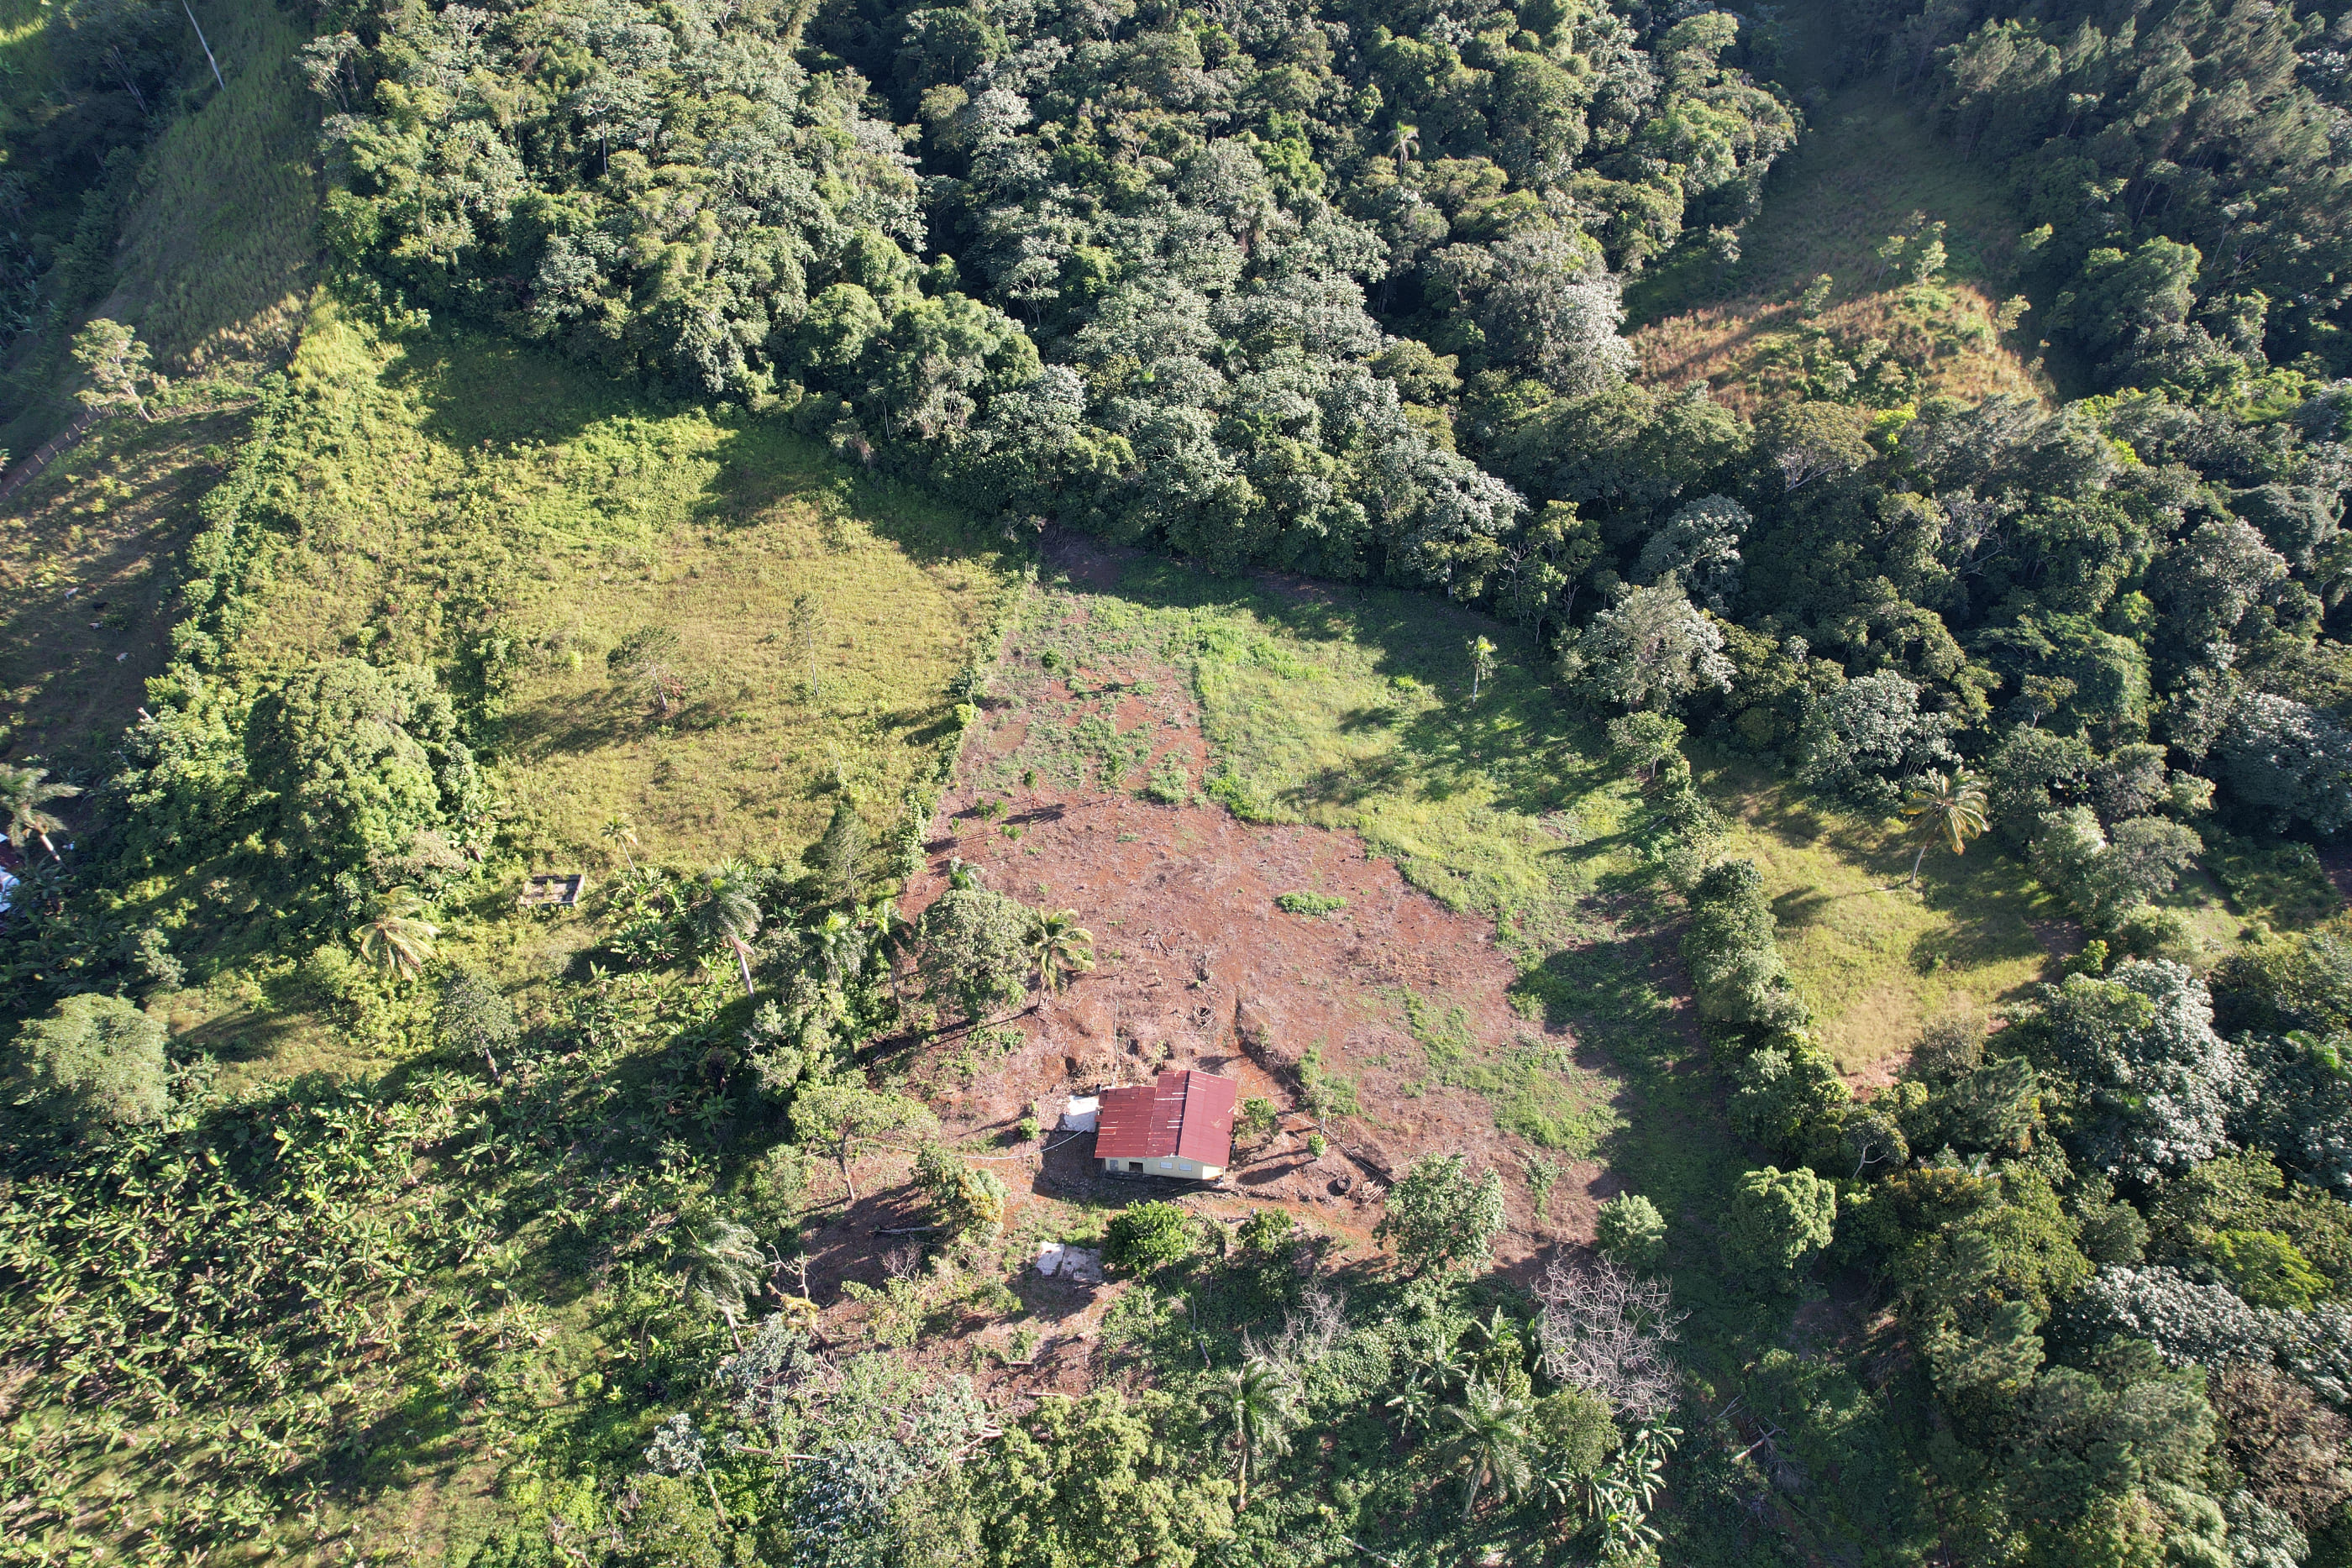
{"x": 397, "y": 935}
{"x": 1489, "y": 1429}
{"x": 617, "y": 830}
{"x": 1060, "y": 945}
{"x": 893, "y": 932}
{"x": 23, "y": 792}
{"x": 722, "y": 1265}
{"x": 1260, "y": 1397}
{"x": 837, "y": 943}
{"x": 1945, "y": 808}
{"x": 728, "y": 912}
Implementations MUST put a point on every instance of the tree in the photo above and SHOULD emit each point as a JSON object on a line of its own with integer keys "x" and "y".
{"x": 1258, "y": 1397}
{"x": 396, "y": 934}
{"x": 2159, "y": 1086}
{"x": 1404, "y": 141}
{"x": 1859, "y": 732}
{"x": 833, "y": 857}
{"x": 1100, "y": 1482}
{"x": 1644, "y": 740}
{"x": 2289, "y": 759}
{"x": 25, "y": 795}
{"x": 359, "y": 763}
{"x": 1653, "y": 648}
{"x": 1605, "y": 1328}
{"x": 725, "y": 911}
{"x": 976, "y": 948}
{"x": 722, "y": 1264}
{"x": 1482, "y": 664}
{"x": 116, "y": 361}
{"x": 1147, "y": 1237}
{"x": 1733, "y": 955}
{"x": 1699, "y": 548}
{"x": 1060, "y": 947}
{"x": 1487, "y": 1431}
{"x": 648, "y": 658}
{"x": 1631, "y": 1232}
{"x": 1809, "y": 441}
{"x": 616, "y": 831}
{"x": 1441, "y": 1216}
{"x": 1779, "y": 1220}
{"x": 965, "y": 1197}
{"x": 838, "y": 1117}
{"x": 475, "y": 1015}
{"x": 95, "y": 1061}
{"x": 1950, "y": 807}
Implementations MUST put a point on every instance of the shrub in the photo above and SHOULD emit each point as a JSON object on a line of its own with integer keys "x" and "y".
{"x": 1170, "y": 783}
{"x": 1631, "y": 1232}
{"x": 95, "y": 1061}
{"x": 1147, "y": 1237}
{"x": 1313, "y": 903}
{"x": 1256, "y": 1123}
{"x": 1779, "y": 1220}
{"x": 1441, "y": 1216}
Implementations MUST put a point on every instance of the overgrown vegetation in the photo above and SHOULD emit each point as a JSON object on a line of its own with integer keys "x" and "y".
{"x": 1914, "y": 792}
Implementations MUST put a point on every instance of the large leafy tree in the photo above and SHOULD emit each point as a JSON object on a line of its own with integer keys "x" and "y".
{"x": 1442, "y": 1215}
{"x": 95, "y": 1061}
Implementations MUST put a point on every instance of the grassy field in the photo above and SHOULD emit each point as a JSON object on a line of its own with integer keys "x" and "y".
{"x": 217, "y": 253}
{"x": 1866, "y": 163}
{"x": 458, "y": 501}
{"x": 468, "y": 498}
{"x": 87, "y": 576}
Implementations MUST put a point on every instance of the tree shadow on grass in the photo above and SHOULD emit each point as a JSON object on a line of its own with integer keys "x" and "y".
{"x": 480, "y": 390}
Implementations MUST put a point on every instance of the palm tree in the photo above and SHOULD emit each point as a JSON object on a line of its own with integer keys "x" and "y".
{"x": 1951, "y": 809}
{"x": 1259, "y": 1395}
{"x": 728, "y": 914}
{"x": 836, "y": 942}
{"x": 617, "y": 830}
{"x": 892, "y": 931}
{"x": 23, "y": 792}
{"x": 397, "y": 935}
{"x": 721, "y": 1265}
{"x": 1060, "y": 945}
{"x": 1489, "y": 1429}
{"x": 1404, "y": 141}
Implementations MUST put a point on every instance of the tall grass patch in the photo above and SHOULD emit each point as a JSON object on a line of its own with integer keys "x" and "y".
{"x": 217, "y": 250}
{"x": 695, "y": 620}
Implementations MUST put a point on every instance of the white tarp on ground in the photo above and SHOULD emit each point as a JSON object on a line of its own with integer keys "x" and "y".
{"x": 1078, "y": 1116}
{"x": 1080, "y": 1265}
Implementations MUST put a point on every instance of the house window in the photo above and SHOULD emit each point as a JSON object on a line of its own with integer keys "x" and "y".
{"x": 1168, "y": 1164}
{"x": 1136, "y": 1165}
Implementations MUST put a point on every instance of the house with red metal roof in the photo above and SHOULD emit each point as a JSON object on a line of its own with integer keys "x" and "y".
{"x": 1180, "y": 1125}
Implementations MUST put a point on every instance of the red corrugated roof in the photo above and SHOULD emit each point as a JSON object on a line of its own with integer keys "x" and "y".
{"x": 1186, "y": 1115}
{"x": 1206, "y": 1131}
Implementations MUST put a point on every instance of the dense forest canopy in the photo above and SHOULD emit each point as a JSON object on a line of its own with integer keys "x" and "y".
{"x": 1338, "y": 290}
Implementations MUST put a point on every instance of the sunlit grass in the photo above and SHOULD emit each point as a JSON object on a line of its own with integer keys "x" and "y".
{"x": 511, "y": 521}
